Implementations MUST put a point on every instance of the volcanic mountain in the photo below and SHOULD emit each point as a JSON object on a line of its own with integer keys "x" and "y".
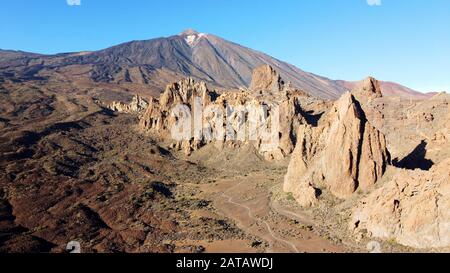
{"x": 153, "y": 63}
{"x": 146, "y": 67}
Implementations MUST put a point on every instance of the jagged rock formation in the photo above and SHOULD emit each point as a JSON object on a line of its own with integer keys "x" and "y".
{"x": 369, "y": 88}
{"x": 268, "y": 87}
{"x": 266, "y": 79}
{"x": 368, "y": 92}
{"x": 184, "y": 92}
{"x": 344, "y": 153}
{"x": 158, "y": 118}
{"x": 412, "y": 209}
{"x": 235, "y": 112}
{"x": 137, "y": 105}
{"x": 297, "y": 181}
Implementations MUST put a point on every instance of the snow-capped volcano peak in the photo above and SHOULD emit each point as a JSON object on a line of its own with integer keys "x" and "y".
{"x": 192, "y": 37}
{"x": 189, "y": 32}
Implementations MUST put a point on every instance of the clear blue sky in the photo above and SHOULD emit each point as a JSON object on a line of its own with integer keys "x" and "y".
{"x": 407, "y": 41}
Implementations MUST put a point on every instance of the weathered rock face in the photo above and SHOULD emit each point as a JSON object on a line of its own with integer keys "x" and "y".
{"x": 184, "y": 92}
{"x": 344, "y": 153}
{"x": 266, "y": 79}
{"x": 158, "y": 119}
{"x": 300, "y": 179}
{"x": 413, "y": 209}
{"x": 157, "y": 115}
{"x": 290, "y": 120}
{"x": 240, "y": 110}
{"x": 442, "y": 137}
{"x": 137, "y": 105}
{"x": 368, "y": 88}
{"x": 368, "y": 92}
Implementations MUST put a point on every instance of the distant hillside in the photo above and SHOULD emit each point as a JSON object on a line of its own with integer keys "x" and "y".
{"x": 392, "y": 89}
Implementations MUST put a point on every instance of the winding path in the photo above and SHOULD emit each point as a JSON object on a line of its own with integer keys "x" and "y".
{"x": 274, "y": 236}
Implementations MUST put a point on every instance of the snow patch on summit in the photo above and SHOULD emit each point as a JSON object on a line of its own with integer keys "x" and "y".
{"x": 193, "y": 39}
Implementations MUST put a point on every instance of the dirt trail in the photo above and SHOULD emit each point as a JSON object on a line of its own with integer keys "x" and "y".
{"x": 290, "y": 214}
{"x": 246, "y": 200}
{"x": 251, "y": 216}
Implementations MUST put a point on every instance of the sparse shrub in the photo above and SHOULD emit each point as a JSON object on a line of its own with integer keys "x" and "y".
{"x": 256, "y": 244}
{"x": 392, "y": 241}
{"x": 290, "y": 196}
{"x": 155, "y": 188}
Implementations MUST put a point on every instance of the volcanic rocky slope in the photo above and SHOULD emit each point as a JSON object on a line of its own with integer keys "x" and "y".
{"x": 73, "y": 170}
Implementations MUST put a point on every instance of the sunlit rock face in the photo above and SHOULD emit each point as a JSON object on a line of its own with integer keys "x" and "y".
{"x": 412, "y": 209}
{"x": 266, "y": 117}
{"x": 266, "y": 79}
{"x": 344, "y": 153}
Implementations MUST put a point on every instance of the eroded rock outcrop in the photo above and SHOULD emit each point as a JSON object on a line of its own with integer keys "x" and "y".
{"x": 343, "y": 153}
{"x": 368, "y": 93}
{"x": 158, "y": 117}
{"x": 413, "y": 209}
{"x": 266, "y": 79}
{"x": 137, "y": 105}
{"x": 285, "y": 108}
{"x": 236, "y": 112}
{"x": 369, "y": 88}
